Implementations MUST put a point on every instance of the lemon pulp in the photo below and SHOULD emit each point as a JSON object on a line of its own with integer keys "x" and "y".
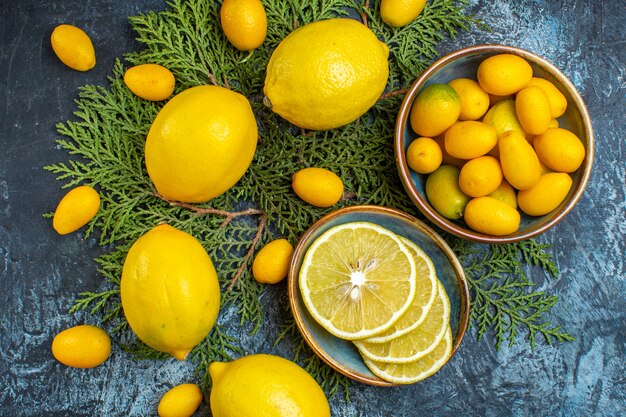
{"x": 357, "y": 279}
{"x": 418, "y": 342}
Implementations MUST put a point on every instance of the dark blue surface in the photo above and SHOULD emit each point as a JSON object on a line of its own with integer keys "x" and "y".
{"x": 41, "y": 272}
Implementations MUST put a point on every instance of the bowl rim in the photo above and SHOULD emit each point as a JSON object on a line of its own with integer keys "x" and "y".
{"x": 293, "y": 287}
{"x": 404, "y": 170}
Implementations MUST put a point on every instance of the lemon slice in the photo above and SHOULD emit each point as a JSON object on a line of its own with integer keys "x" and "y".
{"x": 418, "y": 342}
{"x": 425, "y": 292}
{"x": 411, "y": 372}
{"x": 357, "y": 279}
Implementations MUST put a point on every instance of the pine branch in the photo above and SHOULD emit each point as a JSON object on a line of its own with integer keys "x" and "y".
{"x": 503, "y": 299}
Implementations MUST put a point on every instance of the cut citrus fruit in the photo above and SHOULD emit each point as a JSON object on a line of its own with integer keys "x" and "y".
{"x": 357, "y": 279}
{"x": 425, "y": 292}
{"x": 411, "y": 372}
{"x": 418, "y": 342}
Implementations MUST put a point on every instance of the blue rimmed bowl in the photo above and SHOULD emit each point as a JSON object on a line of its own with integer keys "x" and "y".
{"x": 464, "y": 63}
{"x": 341, "y": 354}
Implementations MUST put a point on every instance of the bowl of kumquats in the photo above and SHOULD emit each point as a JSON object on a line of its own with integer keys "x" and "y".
{"x": 494, "y": 144}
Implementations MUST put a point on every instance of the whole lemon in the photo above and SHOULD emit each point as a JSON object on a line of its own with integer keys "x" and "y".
{"x": 317, "y": 186}
{"x": 326, "y": 74}
{"x": 169, "y": 289}
{"x": 181, "y": 401}
{"x": 434, "y": 110}
{"x": 201, "y": 143}
{"x": 263, "y": 385}
{"x": 83, "y": 346}
{"x": 77, "y": 207}
{"x": 271, "y": 264}
{"x": 73, "y": 47}
{"x": 397, "y": 13}
{"x": 244, "y": 23}
{"x": 150, "y": 81}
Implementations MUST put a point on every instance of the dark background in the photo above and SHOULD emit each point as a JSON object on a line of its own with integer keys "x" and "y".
{"x": 41, "y": 272}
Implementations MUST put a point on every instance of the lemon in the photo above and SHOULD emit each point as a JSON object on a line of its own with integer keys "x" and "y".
{"x": 73, "y": 47}
{"x": 411, "y": 372}
{"x": 169, "y": 290}
{"x": 425, "y": 292}
{"x": 424, "y": 155}
{"x": 326, "y": 74}
{"x": 244, "y": 23}
{"x": 317, "y": 186}
{"x": 271, "y": 264}
{"x": 181, "y": 401}
{"x": 150, "y": 81}
{"x": 200, "y": 143}
{"x": 77, "y": 207}
{"x": 491, "y": 216}
{"x": 397, "y": 13}
{"x": 434, "y": 110}
{"x": 82, "y": 346}
{"x": 418, "y": 342}
{"x": 357, "y": 279}
{"x": 263, "y": 385}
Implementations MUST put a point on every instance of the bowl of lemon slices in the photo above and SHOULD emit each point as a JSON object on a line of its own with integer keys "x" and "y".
{"x": 378, "y": 295}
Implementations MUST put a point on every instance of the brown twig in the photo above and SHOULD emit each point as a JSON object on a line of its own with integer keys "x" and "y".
{"x": 229, "y": 215}
{"x": 364, "y": 15}
{"x": 250, "y": 252}
{"x": 212, "y": 78}
{"x": 393, "y": 93}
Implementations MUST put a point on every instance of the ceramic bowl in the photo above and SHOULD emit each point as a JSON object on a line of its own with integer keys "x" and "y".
{"x": 464, "y": 63}
{"x": 341, "y": 354}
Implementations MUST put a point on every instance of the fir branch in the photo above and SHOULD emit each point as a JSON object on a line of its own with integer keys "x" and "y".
{"x": 503, "y": 299}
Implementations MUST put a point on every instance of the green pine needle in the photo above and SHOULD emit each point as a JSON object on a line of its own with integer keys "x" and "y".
{"x": 105, "y": 145}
